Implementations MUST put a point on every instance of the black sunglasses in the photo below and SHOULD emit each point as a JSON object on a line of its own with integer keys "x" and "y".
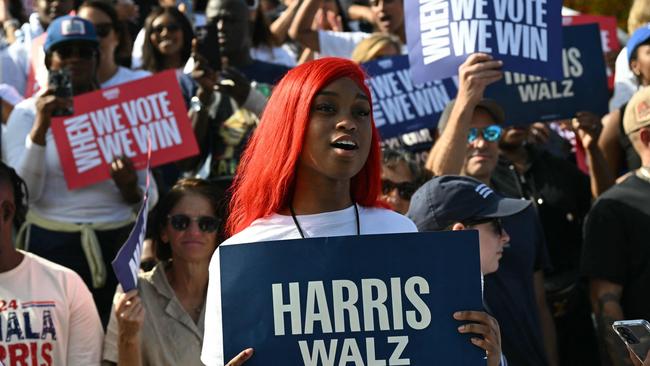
{"x": 404, "y": 189}
{"x": 207, "y": 224}
{"x": 497, "y": 224}
{"x": 103, "y": 29}
{"x": 85, "y": 52}
{"x": 171, "y": 27}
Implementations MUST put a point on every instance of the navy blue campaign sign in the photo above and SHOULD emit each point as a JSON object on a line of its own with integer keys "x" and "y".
{"x": 126, "y": 264}
{"x": 406, "y": 113}
{"x": 528, "y": 99}
{"x": 356, "y": 300}
{"x": 525, "y": 34}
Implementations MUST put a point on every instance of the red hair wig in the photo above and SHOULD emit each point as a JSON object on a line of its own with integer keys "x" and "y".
{"x": 265, "y": 177}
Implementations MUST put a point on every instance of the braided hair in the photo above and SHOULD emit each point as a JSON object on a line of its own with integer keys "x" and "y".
{"x": 19, "y": 189}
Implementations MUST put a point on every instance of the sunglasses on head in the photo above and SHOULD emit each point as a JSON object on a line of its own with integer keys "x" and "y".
{"x": 497, "y": 224}
{"x": 207, "y": 224}
{"x": 85, "y": 52}
{"x": 172, "y": 27}
{"x": 103, "y": 29}
{"x": 490, "y": 133}
{"x": 404, "y": 189}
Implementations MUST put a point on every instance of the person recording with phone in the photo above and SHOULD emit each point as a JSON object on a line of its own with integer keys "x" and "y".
{"x": 221, "y": 124}
{"x": 84, "y": 228}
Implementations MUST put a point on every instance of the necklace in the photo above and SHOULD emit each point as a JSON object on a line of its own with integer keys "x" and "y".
{"x": 643, "y": 173}
{"x": 302, "y": 234}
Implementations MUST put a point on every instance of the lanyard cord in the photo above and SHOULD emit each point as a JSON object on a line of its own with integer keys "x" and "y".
{"x": 302, "y": 234}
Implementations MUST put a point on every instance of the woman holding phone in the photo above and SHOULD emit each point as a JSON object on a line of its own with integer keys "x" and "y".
{"x": 311, "y": 169}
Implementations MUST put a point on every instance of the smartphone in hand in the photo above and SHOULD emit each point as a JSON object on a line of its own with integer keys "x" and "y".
{"x": 208, "y": 45}
{"x": 635, "y": 334}
{"x": 61, "y": 82}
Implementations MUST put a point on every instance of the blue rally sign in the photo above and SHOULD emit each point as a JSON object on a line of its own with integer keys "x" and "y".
{"x": 525, "y": 34}
{"x": 126, "y": 264}
{"x": 362, "y": 300}
{"x": 526, "y": 99}
{"x": 406, "y": 113}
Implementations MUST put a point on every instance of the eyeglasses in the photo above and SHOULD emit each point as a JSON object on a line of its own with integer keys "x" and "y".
{"x": 67, "y": 51}
{"x": 103, "y": 29}
{"x": 404, "y": 189}
{"x": 490, "y": 133}
{"x": 207, "y": 224}
{"x": 171, "y": 27}
{"x": 497, "y": 224}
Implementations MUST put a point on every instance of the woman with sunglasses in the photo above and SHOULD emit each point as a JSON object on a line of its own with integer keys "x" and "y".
{"x": 110, "y": 32}
{"x": 400, "y": 178}
{"x": 168, "y": 45}
{"x": 161, "y": 323}
{"x": 311, "y": 169}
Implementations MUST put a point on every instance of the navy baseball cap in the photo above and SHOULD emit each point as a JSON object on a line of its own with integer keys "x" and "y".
{"x": 69, "y": 29}
{"x": 638, "y": 37}
{"x": 448, "y": 199}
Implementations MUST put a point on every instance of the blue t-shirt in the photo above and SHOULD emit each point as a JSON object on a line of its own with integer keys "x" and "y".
{"x": 510, "y": 294}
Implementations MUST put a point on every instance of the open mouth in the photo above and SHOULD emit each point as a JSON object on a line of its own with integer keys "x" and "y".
{"x": 345, "y": 145}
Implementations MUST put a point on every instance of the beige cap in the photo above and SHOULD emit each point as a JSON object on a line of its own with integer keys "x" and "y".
{"x": 490, "y": 105}
{"x": 637, "y": 113}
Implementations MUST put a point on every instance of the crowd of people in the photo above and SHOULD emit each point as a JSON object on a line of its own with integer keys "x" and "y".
{"x": 288, "y": 149}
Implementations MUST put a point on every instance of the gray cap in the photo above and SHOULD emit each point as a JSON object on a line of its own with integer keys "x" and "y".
{"x": 489, "y": 105}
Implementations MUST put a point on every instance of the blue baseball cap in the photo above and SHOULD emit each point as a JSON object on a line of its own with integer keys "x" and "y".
{"x": 449, "y": 199}
{"x": 69, "y": 29}
{"x": 638, "y": 37}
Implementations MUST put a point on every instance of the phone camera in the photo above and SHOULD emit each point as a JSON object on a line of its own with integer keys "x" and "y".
{"x": 627, "y": 335}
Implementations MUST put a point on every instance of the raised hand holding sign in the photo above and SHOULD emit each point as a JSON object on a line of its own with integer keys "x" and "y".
{"x": 525, "y": 35}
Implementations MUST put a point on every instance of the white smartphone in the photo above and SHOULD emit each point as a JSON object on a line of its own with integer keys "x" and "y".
{"x": 635, "y": 334}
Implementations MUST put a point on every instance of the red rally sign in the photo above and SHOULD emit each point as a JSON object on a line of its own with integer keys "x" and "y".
{"x": 118, "y": 121}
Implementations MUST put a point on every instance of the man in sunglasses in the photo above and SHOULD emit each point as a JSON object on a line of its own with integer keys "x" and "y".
{"x": 470, "y": 130}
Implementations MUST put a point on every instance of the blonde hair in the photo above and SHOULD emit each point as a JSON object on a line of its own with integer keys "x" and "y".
{"x": 368, "y": 49}
{"x": 639, "y": 15}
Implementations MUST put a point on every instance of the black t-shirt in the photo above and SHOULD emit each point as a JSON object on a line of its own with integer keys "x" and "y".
{"x": 562, "y": 195}
{"x": 510, "y": 293}
{"x": 617, "y": 243}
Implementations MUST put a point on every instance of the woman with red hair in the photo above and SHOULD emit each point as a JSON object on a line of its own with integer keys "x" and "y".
{"x": 311, "y": 169}
{"x": 316, "y": 151}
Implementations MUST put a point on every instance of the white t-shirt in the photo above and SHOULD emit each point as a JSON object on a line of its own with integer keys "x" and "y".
{"x": 124, "y": 75}
{"x": 625, "y": 83}
{"x": 339, "y": 44}
{"x": 280, "y": 227}
{"x": 41, "y": 169}
{"x": 275, "y": 55}
{"x": 47, "y": 316}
